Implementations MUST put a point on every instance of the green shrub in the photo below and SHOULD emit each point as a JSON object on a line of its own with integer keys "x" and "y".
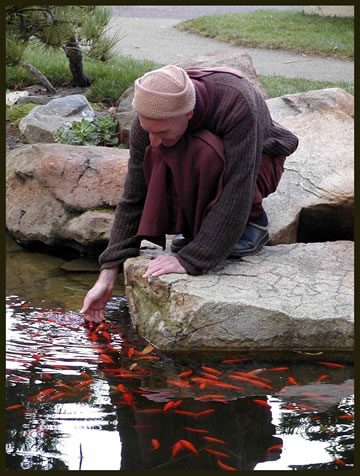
{"x": 103, "y": 131}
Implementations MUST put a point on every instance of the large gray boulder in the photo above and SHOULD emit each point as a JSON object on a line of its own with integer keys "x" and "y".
{"x": 315, "y": 198}
{"x": 63, "y": 195}
{"x": 287, "y": 297}
{"x": 42, "y": 122}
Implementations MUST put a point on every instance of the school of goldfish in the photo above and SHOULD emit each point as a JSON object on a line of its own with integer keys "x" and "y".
{"x": 205, "y": 383}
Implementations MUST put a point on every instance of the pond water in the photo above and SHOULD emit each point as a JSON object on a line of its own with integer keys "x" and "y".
{"x": 100, "y": 398}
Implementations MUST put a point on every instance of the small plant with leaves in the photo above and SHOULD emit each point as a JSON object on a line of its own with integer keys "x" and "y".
{"x": 103, "y": 131}
{"x": 106, "y": 127}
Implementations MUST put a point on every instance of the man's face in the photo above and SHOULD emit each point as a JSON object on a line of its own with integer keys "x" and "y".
{"x": 165, "y": 131}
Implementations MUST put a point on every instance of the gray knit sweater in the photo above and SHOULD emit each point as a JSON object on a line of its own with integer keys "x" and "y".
{"x": 232, "y": 108}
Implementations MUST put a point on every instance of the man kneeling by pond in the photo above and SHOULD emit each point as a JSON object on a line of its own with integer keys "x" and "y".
{"x": 204, "y": 152}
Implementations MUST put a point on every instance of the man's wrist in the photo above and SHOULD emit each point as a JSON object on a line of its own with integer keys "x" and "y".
{"x": 109, "y": 275}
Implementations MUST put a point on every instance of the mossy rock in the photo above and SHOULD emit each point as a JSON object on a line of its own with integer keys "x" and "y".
{"x": 15, "y": 113}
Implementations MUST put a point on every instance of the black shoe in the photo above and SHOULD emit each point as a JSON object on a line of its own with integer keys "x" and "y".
{"x": 178, "y": 242}
{"x": 255, "y": 236}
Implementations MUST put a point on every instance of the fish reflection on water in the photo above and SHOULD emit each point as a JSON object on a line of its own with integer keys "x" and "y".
{"x": 170, "y": 414}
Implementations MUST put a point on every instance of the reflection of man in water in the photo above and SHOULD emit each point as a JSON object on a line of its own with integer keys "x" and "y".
{"x": 242, "y": 424}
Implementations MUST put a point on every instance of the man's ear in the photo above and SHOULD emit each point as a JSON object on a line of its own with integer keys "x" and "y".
{"x": 189, "y": 115}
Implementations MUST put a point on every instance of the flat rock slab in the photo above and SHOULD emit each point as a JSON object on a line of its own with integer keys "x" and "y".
{"x": 287, "y": 297}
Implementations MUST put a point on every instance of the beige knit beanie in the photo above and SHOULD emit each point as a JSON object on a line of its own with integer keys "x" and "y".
{"x": 164, "y": 93}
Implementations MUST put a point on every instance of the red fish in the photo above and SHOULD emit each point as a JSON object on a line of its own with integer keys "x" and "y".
{"x": 186, "y": 444}
{"x": 150, "y": 410}
{"x": 168, "y": 406}
{"x": 121, "y": 388}
{"x": 211, "y": 370}
{"x": 210, "y": 376}
{"x": 129, "y": 399}
{"x": 215, "y": 440}
{"x": 275, "y": 447}
{"x": 205, "y": 412}
{"x": 262, "y": 403}
{"x": 292, "y": 381}
{"x": 315, "y": 417}
{"x": 147, "y": 357}
{"x": 331, "y": 364}
{"x": 225, "y": 466}
{"x": 42, "y": 394}
{"x": 185, "y": 374}
{"x": 63, "y": 385}
{"x": 210, "y": 396}
{"x": 59, "y": 395}
{"x": 46, "y": 376}
{"x": 216, "y": 453}
{"x": 14, "y": 407}
{"x": 131, "y": 352}
{"x": 86, "y": 397}
{"x": 321, "y": 378}
{"x": 106, "y": 359}
{"x": 195, "y": 430}
{"x": 155, "y": 444}
{"x": 177, "y": 403}
{"x": 346, "y": 416}
{"x": 176, "y": 448}
{"x": 340, "y": 461}
{"x": 254, "y": 382}
{"x": 185, "y": 412}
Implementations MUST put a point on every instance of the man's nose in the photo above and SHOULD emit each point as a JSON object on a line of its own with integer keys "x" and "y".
{"x": 155, "y": 140}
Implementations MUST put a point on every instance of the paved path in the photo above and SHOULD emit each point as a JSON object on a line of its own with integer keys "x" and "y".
{"x": 150, "y": 34}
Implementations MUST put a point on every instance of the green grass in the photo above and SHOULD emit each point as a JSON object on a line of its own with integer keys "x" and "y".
{"x": 16, "y": 112}
{"x": 277, "y": 86}
{"x": 110, "y": 79}
{"x": 289, "y": 30}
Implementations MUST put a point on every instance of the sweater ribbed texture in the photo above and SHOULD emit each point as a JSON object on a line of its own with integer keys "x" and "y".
{"x": 238, "y": 114}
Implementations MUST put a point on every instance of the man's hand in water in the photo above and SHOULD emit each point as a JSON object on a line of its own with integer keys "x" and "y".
{"x": 164, "y": 264}
{"x": 96, "y": 299}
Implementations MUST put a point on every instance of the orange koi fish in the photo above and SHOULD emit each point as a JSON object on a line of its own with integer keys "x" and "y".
{"x": 346, "y": 416}
{"x": 59, "y": 395}
{"x": 185, "y": 412}
{"x": 186, "y": 444}
{"x": 42, "y": 394}
{"x": 210, "y": 376}
{"x": 106, "y": 359}
{"x": 46, "y": 376}
{"x": 63, "y": 385}
{"x": 106, "y": 335}
{"x": 262, "y": 403}
{"x": 225, "y": 466}
{"x": 331, "y": 364}
{"x": 254, "y": 382}
{"x": 340, "y": 461}
{"x": 321, "y": 378}
{"x": 150, "y": 410}
{"x": 210, "y": 396}
{"x": 215, "y": 440}
{"x": 147, "y": 357}
{"x": 211, "y": 370}
{"x": 195, "y": 430}
{"x": 315, "y": 417}
{"x": 155, "y": 444}
{"x": 121, "y": 388}
{"x": 176, "y": 448}
{"x": 275, "y": 447}
{"x": 205, "y": 412}
{"x": 86, "y": 397}
{"x": 14, "y": 407}
{"x": 216, "y": 453}
{"x": 177, "y": 403}
{"x": 129, "y": 399}
{"x": 228, "y": 385}
{"x": 186, "y": 373}
{"x": 131, "y": 352}
{"x": 168, "y": 406}
{"x": 252, "y": 376}
{"x": 292, "y": 381}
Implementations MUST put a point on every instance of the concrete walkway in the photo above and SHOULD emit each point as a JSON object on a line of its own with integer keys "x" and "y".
{"x": 155, "y": 38}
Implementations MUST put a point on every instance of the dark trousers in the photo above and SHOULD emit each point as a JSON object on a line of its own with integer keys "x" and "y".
{"x": 270, "y": 172}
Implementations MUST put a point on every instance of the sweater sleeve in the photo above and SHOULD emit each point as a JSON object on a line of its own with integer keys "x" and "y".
{"x": 237, "y": 120}
{"x": 124, "y": 242}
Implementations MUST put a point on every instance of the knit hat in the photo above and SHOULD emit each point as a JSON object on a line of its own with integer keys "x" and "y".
{"x": 164, "y": 93}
